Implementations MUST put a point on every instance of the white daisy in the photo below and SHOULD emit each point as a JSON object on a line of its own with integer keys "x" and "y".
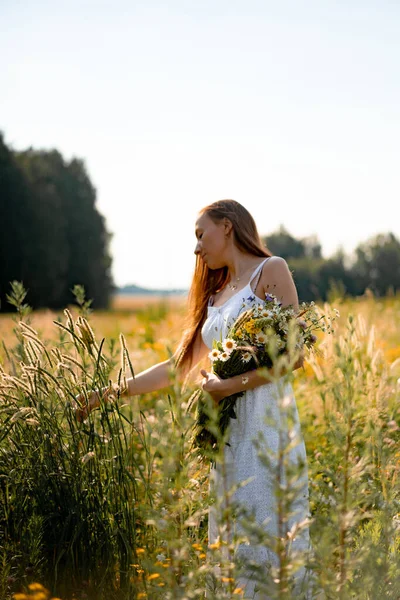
{"x": 223, "y": 356}
{"x": 214, "y": 355}
{"x": 229, "y": 345}
{"x": 246, "y": 356}
{"x": 277, "y": 342}
{"x": 261, "y": 338}
{"x": 280, "y": 344}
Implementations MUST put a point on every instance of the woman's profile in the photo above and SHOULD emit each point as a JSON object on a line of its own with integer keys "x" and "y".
{"x": 233, "y": 270}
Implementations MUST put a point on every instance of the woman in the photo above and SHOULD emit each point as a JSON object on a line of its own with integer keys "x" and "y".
{"x": 233, "y": 271}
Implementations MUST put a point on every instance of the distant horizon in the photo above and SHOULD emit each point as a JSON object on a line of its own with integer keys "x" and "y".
{"x": 155, "y": 290}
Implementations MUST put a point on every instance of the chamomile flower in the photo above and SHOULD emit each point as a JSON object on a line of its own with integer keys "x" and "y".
{"x": 246, "y": 356}
{"x": 223, "y": 356}
{"x": 214, "y": 355}
{"x": 277, "y": 342}
{"x": 229, "y": 345}
{"x": 280, "y": 343}
{"x": 261, "y": 338}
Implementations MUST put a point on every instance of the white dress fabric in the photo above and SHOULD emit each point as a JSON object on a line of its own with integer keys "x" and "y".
{"x": 241, "y": 461}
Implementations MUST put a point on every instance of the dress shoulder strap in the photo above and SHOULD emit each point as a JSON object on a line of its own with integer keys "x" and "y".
{"x": 257, "y": 273}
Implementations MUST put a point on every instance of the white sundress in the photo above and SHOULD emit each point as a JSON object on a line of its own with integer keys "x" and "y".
{"x": 241, "y": 461}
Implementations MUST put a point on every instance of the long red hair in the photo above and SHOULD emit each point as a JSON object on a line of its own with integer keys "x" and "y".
{"x": 207, "y": 282}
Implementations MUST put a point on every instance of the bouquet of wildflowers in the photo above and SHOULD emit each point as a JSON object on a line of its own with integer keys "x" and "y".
{"x": 256, "y": 339}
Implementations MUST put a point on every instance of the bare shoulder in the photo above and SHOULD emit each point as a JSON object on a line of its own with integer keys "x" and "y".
{"x": 276, "y": 264}
{"x": 274, "y": 270}
{"x": 277, "y": 279}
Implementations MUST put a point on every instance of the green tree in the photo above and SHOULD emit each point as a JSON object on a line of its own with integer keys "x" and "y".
{"x": 282, "y": 243}
{"x": 72, "y": 234}
{"x": 306, "y": 275}
{"x": 48, "y": 227}
{"x": 312, "y": 246}
{"x": 334, "y": 273}
{"x": 88, "y": 239}
{"x": 53, "y": 236}
{"x": 377, "y": 264}
{"x": 17, "y": 259}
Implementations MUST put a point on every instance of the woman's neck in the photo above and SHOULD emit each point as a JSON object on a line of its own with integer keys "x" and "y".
{"x": 241, "y": 267}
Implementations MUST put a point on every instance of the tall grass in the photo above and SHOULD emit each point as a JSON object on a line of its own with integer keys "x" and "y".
{"x": 117, "y": 507}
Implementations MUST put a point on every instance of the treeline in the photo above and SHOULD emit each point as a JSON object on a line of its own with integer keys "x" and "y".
{"x": 375, "y": 266}
{"x": 52, "y": 235}
{"x": 53, "y": 238}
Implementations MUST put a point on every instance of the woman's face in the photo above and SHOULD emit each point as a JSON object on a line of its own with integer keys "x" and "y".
{"x": 211, "y": 241}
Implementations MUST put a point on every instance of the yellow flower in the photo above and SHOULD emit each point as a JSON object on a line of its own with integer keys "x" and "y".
{"x": 227, "y": 579}
{"x": 37, "y": 587}
{"x": 158, "y": 346}
{"x": 197, "y": 546}
{"x": 153, "y": 576}
{"x": 237, "y": 591}
{"x": 140, "y": 550}
{"x": 250, "y": 326}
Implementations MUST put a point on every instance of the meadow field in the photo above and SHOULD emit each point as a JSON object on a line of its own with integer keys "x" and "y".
{"x": 116, "y": 507}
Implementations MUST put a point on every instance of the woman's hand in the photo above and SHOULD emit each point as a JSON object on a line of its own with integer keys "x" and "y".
{"x": 214, "y": 385}
{"x": 83, "y": 407}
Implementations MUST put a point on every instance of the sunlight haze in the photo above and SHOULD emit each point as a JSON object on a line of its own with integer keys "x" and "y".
{"x": 290, "y": 108}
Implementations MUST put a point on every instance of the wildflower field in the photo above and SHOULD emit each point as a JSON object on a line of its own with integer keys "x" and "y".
{"x": 116, "y": 507}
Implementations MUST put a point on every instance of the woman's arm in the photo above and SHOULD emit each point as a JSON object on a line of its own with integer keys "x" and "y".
{"x": 221, "y": 388}
{"x": 252, "y": 379}
{"x": 154, "y": 378}
{"x": 161, "y": 375}
{"x": 277, "y": 279}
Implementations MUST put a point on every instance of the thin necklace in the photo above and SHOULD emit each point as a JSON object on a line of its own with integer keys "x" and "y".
{"x": 234, "y": 286}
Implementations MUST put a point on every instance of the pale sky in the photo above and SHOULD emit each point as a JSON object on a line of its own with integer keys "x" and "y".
{"x": 290, "y": 107}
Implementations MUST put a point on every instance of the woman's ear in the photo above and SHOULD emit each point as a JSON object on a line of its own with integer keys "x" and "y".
{"x": 227, "y": 226}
